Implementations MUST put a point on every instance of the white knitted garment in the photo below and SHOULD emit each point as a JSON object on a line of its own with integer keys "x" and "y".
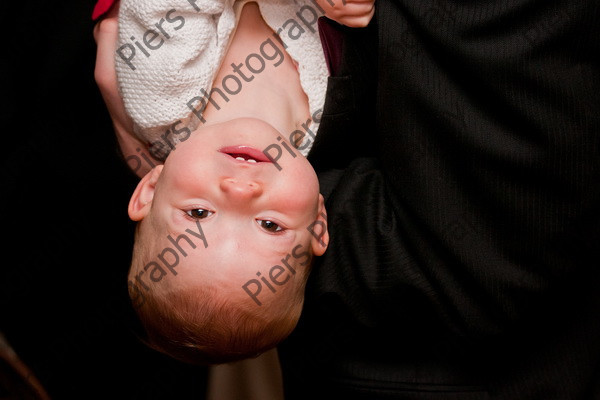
{"x": 188, "y": 46}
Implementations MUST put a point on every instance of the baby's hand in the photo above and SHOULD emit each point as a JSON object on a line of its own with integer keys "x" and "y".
{"x": 105, "y": 34}
{"x": 352, "y": 13}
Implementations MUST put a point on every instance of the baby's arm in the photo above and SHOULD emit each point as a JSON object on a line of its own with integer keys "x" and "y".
{"x": 352, "y": 13}
{"x": 134, "y": 151}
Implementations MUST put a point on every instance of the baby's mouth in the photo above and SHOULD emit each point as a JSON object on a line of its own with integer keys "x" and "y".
{"x": 245, "y": 153}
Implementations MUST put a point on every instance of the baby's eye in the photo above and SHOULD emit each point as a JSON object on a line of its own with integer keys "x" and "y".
{"x": 199, "y": 213}
{"x": 269, "y": 226}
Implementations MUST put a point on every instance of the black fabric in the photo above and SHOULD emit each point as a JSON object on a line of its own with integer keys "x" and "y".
{"x": 349, "y": 109}
{"x": 67, "y": 240}
{"x": 464, "y": 262}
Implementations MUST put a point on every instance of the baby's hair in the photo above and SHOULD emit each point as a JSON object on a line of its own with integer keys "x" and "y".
{"x": 198, "y": 324}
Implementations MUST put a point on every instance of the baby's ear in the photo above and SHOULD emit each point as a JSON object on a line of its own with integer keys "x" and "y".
{"x": 141, "y": 199}
{"x": 320, "y": 238}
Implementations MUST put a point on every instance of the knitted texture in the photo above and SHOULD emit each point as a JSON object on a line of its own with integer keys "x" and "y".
{"x": 169, "y": 50}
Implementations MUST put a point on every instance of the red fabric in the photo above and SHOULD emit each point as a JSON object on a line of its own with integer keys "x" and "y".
{"x": 331, "y": 41}
{"x": 101, "y": 8}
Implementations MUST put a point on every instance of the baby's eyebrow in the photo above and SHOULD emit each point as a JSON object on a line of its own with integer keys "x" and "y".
{"x": 193, "y": 236}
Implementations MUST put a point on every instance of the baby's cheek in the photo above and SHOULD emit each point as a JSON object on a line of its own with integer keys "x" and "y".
{"x": 301, "y": 193}
{"x": 276, "y": 282}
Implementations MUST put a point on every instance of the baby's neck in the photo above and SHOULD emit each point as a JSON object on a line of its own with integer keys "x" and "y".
{"x": 272, "y": 93}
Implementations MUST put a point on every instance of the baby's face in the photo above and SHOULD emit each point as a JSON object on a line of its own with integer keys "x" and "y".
{"x": 252, "y": 214}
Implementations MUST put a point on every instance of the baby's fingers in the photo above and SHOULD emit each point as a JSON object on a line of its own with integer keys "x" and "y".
{"x": 105, "y": 34}
{"x": 352, "y": 13}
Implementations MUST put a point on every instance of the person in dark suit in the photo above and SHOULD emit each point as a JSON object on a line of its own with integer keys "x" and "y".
{"x": 462, "y": 258}
{"x": 462, "y": 248}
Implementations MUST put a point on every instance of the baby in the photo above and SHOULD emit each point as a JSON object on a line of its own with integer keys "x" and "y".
{"x": 224, "y": 244}
{"x": 229, "y": 224}
{"x": 178, "y": 61}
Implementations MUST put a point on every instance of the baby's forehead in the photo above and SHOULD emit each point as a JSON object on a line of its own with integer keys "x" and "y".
{"x": 224, "y": 263}
{"x": 247, "y": 276}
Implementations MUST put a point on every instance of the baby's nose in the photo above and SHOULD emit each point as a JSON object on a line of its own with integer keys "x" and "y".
{"x": 241, "y": 189}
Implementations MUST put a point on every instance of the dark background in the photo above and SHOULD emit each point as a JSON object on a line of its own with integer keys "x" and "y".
{"x": 67, "y": 238}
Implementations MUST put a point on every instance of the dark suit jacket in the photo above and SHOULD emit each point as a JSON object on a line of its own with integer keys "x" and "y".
{"x": 463, "y": 262}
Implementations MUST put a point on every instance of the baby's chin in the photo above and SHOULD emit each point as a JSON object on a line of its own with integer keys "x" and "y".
{"x": 253, "y": 131}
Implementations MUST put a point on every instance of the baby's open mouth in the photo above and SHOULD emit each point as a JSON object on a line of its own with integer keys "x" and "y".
{"x": 243, "y": 157}
{"x": 245, "y": 153}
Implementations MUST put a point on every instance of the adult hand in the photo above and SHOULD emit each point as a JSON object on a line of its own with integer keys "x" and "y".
{"x": 134, "y": 151}
{"x": 352, "y": 13}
